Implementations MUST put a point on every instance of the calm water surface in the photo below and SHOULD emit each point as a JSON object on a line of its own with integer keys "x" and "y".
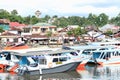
{"x": 91, "y": 73}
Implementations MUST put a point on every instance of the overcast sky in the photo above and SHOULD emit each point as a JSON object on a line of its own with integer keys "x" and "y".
{"x": 62, "y": 7}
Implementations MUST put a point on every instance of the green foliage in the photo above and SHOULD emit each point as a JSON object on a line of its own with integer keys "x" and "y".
{"x": 69, "y": 33}
{"x": 109, "y": 33}
{"x": 116, "y": 20}
{"x": 14, "y": 12}
{"x": 76, "y": 32}
{"x": 49, "y": 33}
{"x": 1, "y": 29}
{"x": 91, "y": 20}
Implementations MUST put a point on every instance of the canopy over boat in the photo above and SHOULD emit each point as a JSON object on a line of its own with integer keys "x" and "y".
{"x": 30, "y": 52}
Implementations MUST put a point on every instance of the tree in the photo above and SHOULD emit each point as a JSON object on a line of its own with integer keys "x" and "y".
{"x": 34, "y": 20}
{"x": 109, "y": 33}
{"x": 47, "y": 17}
{"x": 62, "y": 22}
{"x": 91, "y": 20}
{"x": 69, "y": 33}
{"x": 14, "y": 12}
{"x": 27, "y": 20}
{"x": 75, "y": 20}
{"x": 1, "y": 29}
{"x": 116, "y": 20}
{"x": 76, "y": 32}
{"x": 49, "y": 33}
{"x": 4, "y": 14}
{"x": 102, "y": 19}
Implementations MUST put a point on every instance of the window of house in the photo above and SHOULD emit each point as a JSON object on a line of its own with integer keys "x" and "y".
{"x": 43, "y": 30}
{"x": 36, "y": 29}
{"x": 16, "y": 40}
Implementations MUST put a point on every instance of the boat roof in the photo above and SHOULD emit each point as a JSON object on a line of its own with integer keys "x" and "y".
{"x": 112, "y": 50}
{"x": 104, "y": 43}
{"x": 37, "y": 52}
{"x": 88, "y": 47}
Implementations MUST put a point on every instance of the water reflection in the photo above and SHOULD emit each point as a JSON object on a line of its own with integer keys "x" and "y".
{"x": 7, "y": 76}
{"x": 72, "y": 75}
{"x": 100, "y": 73}
{"x": 91, "y": 73}
{"x": 111, "y": 72}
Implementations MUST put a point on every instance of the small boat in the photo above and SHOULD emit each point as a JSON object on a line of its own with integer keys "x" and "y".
{"x": 106, "y": 57}
{"x": 9, "y": 58}
{"x": 85, "y": 52}
{"x": 46, "y": 62}
{"x": 39, "y": 61}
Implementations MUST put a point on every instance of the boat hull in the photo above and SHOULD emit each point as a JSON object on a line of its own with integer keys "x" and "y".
{"x": 62, "y": 68}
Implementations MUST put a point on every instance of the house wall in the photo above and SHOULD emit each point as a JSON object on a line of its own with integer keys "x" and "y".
{"x": 11, "y": 39}
{"x": 42, "y": 29}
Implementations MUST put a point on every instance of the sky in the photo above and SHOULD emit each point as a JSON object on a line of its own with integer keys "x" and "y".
{"x": 62, "y": 7}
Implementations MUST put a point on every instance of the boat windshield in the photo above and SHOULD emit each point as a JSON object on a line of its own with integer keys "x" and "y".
{"x": 5, "y": 55}
{"x": 88, "y": 51}
{"x": 96, "y": 55}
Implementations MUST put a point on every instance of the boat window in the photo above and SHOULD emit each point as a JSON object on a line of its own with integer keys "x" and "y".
{"x": 108, "y": 54}
{"x": 35, "y": 58}
{"x": 66, "y": 48}
{"x": 60, "y": 59}
{"x": 42, "y": 61}
{"x": 88, "y": 51}
{"x": 8, "y": 57}
{"x": 96, "y": 55}
{"x": 103, "y": 55}
{"x": 55, "y": 60}
{"x": 116, "y": 53}
{"x": 73, "y": 53}
{"x": 23, "y": 61}
{"x": 104, "y": 49}
{"x": 63, "y": 59}
{"x": 93, "y": 49}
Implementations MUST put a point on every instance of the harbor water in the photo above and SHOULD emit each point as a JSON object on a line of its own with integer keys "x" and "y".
{"x": 90, "y": 73}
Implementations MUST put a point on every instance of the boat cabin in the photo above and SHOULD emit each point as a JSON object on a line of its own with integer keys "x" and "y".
{"x": 106, "y": 54}
{"x": 88, "y": 49}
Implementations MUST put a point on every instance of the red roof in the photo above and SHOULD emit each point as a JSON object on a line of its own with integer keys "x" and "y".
{"x": 16, "y": 24}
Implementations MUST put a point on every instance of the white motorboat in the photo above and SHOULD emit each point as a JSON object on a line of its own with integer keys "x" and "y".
{"x": 44, "y": 62}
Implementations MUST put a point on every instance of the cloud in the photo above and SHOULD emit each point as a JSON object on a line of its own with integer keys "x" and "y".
{"x": 62, "y": 7}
